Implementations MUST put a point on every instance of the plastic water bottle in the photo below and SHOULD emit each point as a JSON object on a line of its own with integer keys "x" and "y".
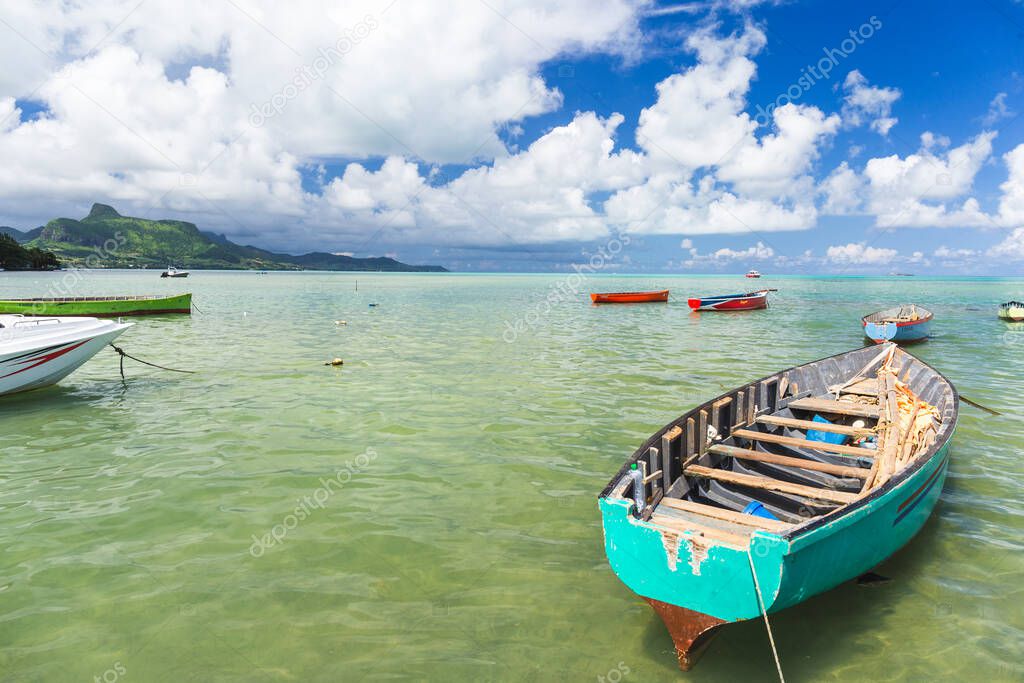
{"x": 638, "y": 488}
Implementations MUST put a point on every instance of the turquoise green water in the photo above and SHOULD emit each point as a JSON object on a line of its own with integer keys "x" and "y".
{"x": 434, "y": 500}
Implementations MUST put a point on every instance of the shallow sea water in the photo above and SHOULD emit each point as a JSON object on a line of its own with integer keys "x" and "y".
{"x": 434, "y": 499}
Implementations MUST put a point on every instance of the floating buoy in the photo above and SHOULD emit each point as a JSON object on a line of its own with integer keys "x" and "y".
{"x": 336, "y": 362}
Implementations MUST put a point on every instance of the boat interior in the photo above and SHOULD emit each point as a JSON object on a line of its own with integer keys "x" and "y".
{"x": 788, "y": 449}
{"x": 899, "y": 314}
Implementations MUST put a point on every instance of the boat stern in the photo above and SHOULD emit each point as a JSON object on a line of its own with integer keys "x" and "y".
{"x": 684, "y": 568}
{"x": 880, "y": 332}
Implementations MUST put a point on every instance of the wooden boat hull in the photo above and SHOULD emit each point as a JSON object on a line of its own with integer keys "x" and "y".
{"x": 790, "y": 570}
{"x": 903, "y": 332}
{"x": 733, "y": 302}
{"x": 629, "y": 297}
{"x": 100, "y": 307}
{"x": 711, "y": 583}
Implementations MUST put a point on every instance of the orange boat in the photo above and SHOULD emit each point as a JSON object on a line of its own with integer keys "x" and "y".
{"x": 628, "y": 297}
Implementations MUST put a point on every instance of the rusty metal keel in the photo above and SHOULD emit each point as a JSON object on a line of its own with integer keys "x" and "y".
{"x": 691, "y": 631}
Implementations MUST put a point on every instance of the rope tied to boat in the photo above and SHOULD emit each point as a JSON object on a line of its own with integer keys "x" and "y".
{"x": 124, "y": 354}
{"x": 764, "y": 613}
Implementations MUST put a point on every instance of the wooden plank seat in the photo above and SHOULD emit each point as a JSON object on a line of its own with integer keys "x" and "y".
{"x": 794, "y": 423}
{"x": 785, "y": 461}
{"x": 827, "y": 405}
{"x": 804, "y": 443}
{"x": 725, "y": 515}
{"x": 770, "y": 484}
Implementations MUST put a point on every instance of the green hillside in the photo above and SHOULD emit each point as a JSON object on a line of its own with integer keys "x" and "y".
{"x": 14, "y": 256}
{"x": 106, "y": 239}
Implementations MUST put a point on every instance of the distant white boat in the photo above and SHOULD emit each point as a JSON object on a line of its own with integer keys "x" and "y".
{"x": 174, "y": 272}
{"x": 38, "y": 351}
{"x": 753, "y": 274}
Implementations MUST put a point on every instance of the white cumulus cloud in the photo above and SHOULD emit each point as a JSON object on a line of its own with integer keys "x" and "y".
{"x": 868, "y": 103}
{"x": 1010, "y": 249}
{"x": 860, "y": 254}
{"x": 903, "y": 191}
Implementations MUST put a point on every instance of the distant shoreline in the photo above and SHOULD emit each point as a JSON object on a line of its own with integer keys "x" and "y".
{"x": 596, "y": 276}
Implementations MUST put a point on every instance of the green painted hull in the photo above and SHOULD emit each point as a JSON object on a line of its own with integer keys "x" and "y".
{"x": 101, "y": 307}
{"x": 808, "y": 560}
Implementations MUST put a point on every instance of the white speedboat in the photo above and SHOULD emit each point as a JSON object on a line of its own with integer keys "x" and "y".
{"x": 38, "y": 351}
{"x": 174, "y": 272}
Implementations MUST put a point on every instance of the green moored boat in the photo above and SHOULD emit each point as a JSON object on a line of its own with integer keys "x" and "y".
{"x": 1012, "y": 311}
{"x": 779, "y": 490}
{"x": 99, "y": 306}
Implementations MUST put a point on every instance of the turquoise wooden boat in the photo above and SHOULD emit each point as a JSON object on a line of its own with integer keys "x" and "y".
{"x": 779, "y": 490}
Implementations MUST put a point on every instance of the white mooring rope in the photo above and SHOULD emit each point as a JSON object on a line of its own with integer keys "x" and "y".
{"x": 764, "y": 613}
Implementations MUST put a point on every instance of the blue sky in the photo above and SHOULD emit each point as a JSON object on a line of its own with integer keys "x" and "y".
{"x": 510, "y": 136}
{"x": 949, "y": 60}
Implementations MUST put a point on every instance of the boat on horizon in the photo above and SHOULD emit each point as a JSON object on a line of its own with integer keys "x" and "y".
{"x": 174, "y": 272}
{"x": 1012, "y": 311}
{"x": 750, "y": 301}
{"x": 629, "y": 297}
{"x": 779, "y": 490}
{"x": 753, "y": 274}
{"x": 37, "y": 352}
{"x": 902, "y": 324}
{"x": 99, "y": 306}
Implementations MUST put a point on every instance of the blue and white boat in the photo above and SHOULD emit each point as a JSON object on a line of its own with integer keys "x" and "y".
{"x": 901, "y": 324}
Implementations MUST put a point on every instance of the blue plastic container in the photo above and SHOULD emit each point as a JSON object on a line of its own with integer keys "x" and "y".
{"x": 827, "y": 437}
{"x": 758, "y": 510}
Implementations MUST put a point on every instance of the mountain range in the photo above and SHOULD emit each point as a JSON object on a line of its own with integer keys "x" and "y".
{"x": 106, "y": 239}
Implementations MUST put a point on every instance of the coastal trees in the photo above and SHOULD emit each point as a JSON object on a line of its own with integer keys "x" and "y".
{"x": 13, "y": 256}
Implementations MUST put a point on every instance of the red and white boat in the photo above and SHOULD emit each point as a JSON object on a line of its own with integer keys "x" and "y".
{"x": 753, "y": 274}
{"x": 732, "y": 302}
{"x": 37, "y": 352}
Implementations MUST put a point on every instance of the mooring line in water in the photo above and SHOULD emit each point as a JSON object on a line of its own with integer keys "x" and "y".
{"x": 764, "y": 613}
{"x": 978, "y": 406}
{"x": 124, "y": 354}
